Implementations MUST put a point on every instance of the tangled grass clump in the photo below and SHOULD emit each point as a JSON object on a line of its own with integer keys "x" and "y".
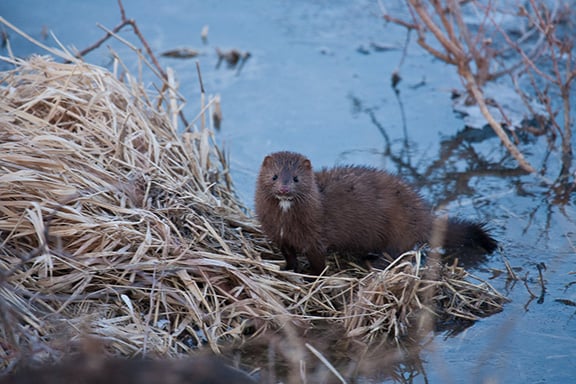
{"x": 115, "y": 225}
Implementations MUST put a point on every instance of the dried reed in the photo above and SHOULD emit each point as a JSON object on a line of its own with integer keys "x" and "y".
{"x": 115, "y": 225}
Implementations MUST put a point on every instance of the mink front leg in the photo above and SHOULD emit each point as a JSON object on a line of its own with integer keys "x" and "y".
{"x": 316, "y": 258}
{"x": 290, "y": 256}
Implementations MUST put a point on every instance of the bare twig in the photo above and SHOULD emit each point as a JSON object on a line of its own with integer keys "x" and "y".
{"x": 473, "y": 88}
{"x": 456, "y": 51}
{"x": 472, "y": 55}
{"x": 132, "y": 23}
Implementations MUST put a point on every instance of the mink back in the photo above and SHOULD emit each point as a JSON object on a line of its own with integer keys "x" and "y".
{"x": 368, "y": 210}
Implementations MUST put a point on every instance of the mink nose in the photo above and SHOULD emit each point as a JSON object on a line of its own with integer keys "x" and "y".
{"x": 284, "y": 189}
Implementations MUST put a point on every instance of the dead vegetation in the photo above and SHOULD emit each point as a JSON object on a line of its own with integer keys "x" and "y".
{"x": 528, "y": 45}
{"x": 115, "y": 225}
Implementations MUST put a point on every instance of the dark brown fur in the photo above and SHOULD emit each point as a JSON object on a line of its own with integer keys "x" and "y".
{"x": 346, "y": 209}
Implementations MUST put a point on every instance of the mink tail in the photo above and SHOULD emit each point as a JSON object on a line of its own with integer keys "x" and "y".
{"x": 469, "y": 235}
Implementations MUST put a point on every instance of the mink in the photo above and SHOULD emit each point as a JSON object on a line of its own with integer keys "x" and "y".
{"x": 352, "y": 209}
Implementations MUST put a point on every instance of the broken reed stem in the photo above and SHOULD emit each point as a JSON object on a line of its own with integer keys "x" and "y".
{"x": 202, "y": 97}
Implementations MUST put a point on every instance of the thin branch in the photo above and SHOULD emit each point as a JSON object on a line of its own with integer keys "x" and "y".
{"x": 473, "y": 88}
{"x": 451, "y": 47}
{"x": 131, "y": 22}
{"x": 101, "y": 41}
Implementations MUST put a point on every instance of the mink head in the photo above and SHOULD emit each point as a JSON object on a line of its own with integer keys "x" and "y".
{"x": 286, "y": 176}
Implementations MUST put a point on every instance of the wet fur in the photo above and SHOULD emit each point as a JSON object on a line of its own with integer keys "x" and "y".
{"x": 347, "y": 209}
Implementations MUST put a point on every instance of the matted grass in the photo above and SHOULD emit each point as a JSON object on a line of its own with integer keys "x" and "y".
{"x": 115, "y": 225}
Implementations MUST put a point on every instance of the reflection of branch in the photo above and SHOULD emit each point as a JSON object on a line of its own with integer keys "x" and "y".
{"x": 451, "y": 149}
{"x": 388, "y": 145}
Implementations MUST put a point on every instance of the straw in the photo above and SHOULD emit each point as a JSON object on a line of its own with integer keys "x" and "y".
{"x": 114, "y": 225}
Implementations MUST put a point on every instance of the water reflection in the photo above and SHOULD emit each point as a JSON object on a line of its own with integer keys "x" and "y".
{"x": 324, "y": 356}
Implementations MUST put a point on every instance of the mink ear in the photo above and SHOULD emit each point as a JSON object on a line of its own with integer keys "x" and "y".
{"x": 267, "y": 160}
{"x": 307, "y": 164}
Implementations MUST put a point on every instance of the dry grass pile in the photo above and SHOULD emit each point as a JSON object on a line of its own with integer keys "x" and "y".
{"x": 113, "y": 224}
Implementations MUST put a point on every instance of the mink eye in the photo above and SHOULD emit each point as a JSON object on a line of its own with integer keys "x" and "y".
{"x": 295, "y": 178}
{"x": 275, "y": 177}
